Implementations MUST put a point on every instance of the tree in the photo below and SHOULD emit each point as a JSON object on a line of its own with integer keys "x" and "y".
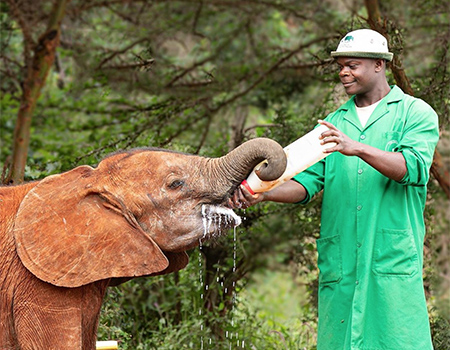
{"x": 376, "y": 22}
{"x": 202, "y": 77}
{"x": 38, "y": 59}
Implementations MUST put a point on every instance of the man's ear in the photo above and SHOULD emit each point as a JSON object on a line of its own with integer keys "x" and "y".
{"x": 380, "y": 65}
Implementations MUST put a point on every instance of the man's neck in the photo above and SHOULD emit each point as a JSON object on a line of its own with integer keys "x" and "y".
{"x": 373, "y": 96}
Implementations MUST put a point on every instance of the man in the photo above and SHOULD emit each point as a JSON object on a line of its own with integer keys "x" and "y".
{"x": 370, "y": 249}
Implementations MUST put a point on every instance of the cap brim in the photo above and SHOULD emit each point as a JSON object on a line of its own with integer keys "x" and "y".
{"x": 383, "y": 55}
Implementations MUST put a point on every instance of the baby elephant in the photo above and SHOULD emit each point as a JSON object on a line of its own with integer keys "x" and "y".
{"x": 65, "y": 238}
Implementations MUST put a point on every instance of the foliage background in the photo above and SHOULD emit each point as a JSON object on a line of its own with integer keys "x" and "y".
{"x": 202, "y": 77}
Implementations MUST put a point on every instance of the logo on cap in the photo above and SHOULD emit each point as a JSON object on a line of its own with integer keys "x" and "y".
{"x": 347, "y": 41}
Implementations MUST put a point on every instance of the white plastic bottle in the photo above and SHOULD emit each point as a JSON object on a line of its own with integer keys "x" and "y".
{"x": 300, "y": 154}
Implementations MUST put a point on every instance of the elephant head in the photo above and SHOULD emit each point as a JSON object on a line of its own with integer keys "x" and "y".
{"x": 135, "y": 214}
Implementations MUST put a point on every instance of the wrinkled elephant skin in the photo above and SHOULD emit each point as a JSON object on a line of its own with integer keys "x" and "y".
{"x": 65, "y": 238}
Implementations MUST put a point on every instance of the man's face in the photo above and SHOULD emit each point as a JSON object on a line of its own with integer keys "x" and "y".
{"x": 358, "y": 75}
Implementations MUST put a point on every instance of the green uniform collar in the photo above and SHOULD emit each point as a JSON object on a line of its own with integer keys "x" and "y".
{"x": 395, "y": 95}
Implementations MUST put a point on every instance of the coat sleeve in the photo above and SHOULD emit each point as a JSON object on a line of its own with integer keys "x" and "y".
{"x": 312, "y": 180}
{"x": 418, "y": 142}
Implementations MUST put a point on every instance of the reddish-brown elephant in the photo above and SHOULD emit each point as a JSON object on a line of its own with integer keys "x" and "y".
{"x": 65, "y": 238}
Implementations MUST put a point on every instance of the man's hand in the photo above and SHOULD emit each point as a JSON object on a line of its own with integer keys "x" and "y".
{"x": 242, "y": 198}
{"x": 344, "y": 144}
{"x": 289, "y": 192}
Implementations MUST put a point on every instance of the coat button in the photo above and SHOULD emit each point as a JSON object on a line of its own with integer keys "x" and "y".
{"x": 360, "y": 171}
{"x": 359, "y": 207}
{"x": 362, "y": 137}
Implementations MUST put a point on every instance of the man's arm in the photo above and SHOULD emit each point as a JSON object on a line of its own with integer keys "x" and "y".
{"x": 289, "y": 192}
{"x": 390, "y": 164}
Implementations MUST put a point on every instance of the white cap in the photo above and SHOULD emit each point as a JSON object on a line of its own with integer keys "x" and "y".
{"x": 365, "y": 43}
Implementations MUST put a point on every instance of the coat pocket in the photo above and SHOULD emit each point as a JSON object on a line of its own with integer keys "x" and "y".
{"x": 330, "y": 259}
{"x": 394, "y": 253}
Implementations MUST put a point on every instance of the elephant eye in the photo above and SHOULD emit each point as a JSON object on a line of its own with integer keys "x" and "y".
{"x": 176, "y": 184}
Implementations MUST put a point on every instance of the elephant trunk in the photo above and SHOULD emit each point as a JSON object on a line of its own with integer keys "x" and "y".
{"x": 227, "y": 172}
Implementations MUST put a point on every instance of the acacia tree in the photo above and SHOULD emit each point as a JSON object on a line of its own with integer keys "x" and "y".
{"x": 184, "y": 78}
{"x": 38, "y": 57}
{"x": 200, "y": 77}
{"x": 376, "y": 22}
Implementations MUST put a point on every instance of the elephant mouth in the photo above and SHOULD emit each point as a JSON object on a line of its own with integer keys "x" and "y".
{"x": 217, "y": 219}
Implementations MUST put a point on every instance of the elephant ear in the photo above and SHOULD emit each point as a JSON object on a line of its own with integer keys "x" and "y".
{"x": 67, "y": 234}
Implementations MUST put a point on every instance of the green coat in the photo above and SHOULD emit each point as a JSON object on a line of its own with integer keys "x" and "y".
{"x": 371, "y": 294}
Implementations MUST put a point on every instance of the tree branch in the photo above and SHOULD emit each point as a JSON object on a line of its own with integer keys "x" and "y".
{"x": 206, "y": 59}
{"x": 37, "y": 71}
{"x": 271, "y": 69}
{"x": 27, "y": 37}
{"x": 118, "y": 52}
{"x": 376, "y": 23}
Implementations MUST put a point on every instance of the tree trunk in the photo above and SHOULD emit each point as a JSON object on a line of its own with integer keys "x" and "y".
{"x": 37, "y": 71}
{"x": 375, "y": 21}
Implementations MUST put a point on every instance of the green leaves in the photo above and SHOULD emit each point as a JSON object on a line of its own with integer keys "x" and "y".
{"x": 202, "y": 77}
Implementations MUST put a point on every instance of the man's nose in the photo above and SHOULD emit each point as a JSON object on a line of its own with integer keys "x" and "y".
{"x": 343, "y": 72}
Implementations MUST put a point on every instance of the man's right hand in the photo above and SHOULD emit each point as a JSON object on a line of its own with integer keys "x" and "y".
{"x": 242, "y": 198}
{"x": 289, "y": 192}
